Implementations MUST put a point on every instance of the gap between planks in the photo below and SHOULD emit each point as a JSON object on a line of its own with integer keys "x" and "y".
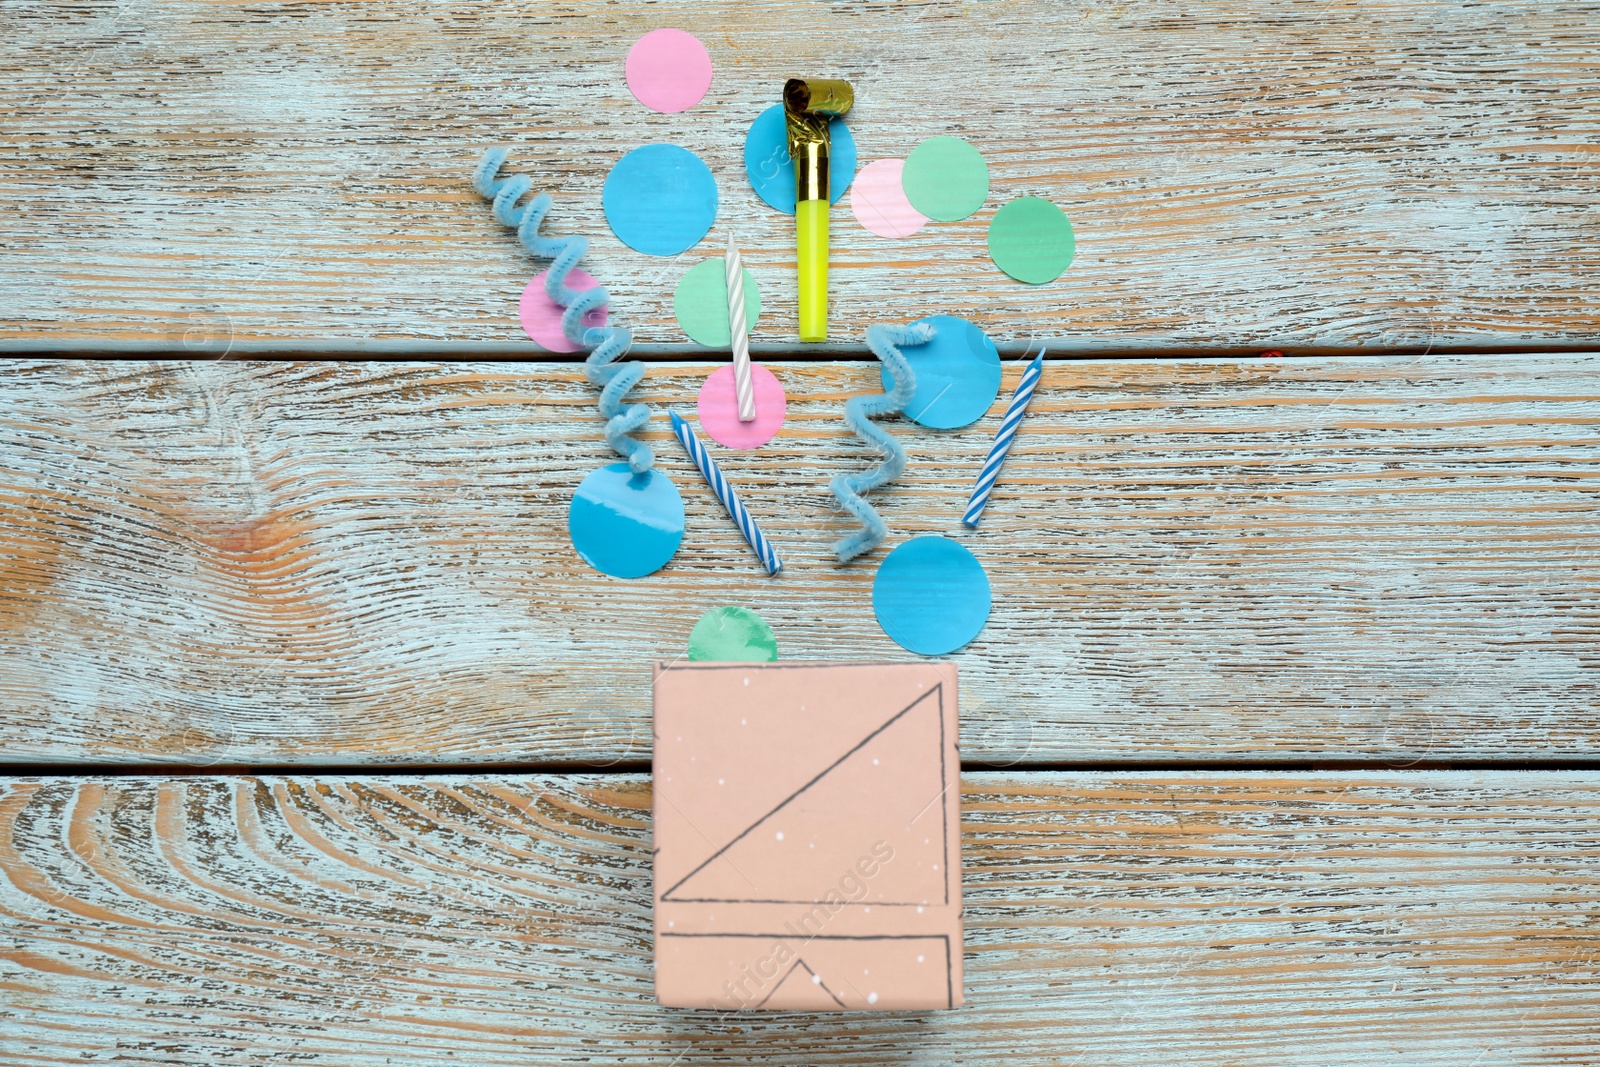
{"x": 408, "y": 350}
{"x": 637, "y": 767}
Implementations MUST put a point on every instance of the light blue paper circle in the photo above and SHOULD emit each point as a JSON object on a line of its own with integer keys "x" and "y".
{"x": 771, "y": 169}
{"x": 660, "y": 199}
{"x": 624, "y": 524}
{"x": 931, "y": 596}
{"x": 958, "y": 374}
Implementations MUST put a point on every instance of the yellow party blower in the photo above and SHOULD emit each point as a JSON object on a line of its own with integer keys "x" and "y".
{"x": 808, "y": 105}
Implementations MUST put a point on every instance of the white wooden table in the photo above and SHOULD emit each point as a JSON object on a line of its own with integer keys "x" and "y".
{"x": 1282, "y": 745}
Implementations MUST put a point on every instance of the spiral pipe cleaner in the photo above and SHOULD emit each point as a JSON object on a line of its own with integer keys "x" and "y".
{"x": 885, "y": 342}
{"x": 606, "y": 343}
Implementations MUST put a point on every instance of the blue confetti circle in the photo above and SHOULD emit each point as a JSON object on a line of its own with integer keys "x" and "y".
{"x": 958, "y": 374}
{"x": 931, "y": 596}
{"x": 660, "y": 199}
{"x": 771, "y": 169}
{"x": 624, "y": 524}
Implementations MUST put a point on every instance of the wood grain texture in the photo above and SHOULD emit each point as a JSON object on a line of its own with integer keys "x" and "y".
{"x": 1243, "y": 919}
{"x": 1272, "y": 172}
{"x": 1279, "y": 560}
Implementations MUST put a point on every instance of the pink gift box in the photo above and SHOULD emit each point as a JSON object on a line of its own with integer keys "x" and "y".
{"x": 807, "y": 836}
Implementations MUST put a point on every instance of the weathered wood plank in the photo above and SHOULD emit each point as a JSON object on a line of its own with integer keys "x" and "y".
{"x": 1273, "y": 172}
{"x": 1338, "y": 559}
{"x": 1419, "y": 917}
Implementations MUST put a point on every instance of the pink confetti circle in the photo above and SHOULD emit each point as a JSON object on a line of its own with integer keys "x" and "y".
{"x": 719, "y": 408}
{"x": 668, "y": 70}
{"x": 541, "y": 316}
{"x": 879, "y": 202}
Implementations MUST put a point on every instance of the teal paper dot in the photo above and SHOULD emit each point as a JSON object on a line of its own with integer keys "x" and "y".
{"x": 624, "y": 524}
{"x": 931, "y": 596}
{"x": 958, "y": 374}
{"x": 771, "y": 168}
{"x": 660, "y": 199}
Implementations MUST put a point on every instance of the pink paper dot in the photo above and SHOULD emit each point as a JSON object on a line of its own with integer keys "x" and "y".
{"x": 879, "y": 202}
{"x": 541, "y": 316}
{"x": 668, "y": 70}
{"x": 719, "y": 408}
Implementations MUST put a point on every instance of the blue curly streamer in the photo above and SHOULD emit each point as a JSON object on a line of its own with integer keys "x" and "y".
{"x": 858, "y": 413}
{"x": 606, "y": 343}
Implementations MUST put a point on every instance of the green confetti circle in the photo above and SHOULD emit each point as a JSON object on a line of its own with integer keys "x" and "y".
{"x": 1031, "y": 239}
{"x": 945, "y": 178}
{"x": 732, "y": 635}
{"x": 701, "y": 302}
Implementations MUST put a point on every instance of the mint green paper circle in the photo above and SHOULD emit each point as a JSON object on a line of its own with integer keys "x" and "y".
{"x": 701, "y": 303}
{"x": 1031, "y": 239}
{"x": 732, "y": 635}
{"x": 945, "y": 178}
